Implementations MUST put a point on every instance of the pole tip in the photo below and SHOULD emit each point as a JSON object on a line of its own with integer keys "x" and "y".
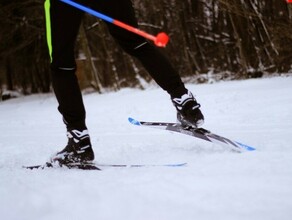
{"x": 161, "y": 39}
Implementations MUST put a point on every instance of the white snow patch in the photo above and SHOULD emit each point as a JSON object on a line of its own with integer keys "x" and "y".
{"x": 216, "y": 184}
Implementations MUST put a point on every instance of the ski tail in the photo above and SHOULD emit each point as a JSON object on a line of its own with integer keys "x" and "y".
{"x": 152, "y": 124}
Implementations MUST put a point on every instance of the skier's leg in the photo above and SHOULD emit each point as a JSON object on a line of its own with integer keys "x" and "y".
{"x": 158, "y": 66}
{"x": 63, "y": 23}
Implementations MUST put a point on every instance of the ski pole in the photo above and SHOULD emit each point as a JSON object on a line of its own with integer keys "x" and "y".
{"x": 160, "y": 40}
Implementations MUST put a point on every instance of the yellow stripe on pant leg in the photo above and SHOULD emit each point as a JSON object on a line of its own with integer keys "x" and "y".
{"x": 48, "y": 26}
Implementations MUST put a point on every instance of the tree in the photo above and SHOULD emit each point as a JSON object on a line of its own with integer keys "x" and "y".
{"x": 23, "y": 52}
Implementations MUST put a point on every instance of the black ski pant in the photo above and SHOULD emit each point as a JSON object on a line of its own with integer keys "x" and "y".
{"x": 63, "y": 22}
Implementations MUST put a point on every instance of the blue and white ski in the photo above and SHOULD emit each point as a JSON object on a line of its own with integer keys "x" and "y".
{"x": 195, "y": 132}
{"x": 97, "y": 166}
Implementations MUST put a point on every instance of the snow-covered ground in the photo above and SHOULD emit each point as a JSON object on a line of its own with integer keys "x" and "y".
{"x": 216, "y": 183}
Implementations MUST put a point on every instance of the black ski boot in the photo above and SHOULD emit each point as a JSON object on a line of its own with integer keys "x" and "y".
{"x": 77, "y": 151}
{"x": 188, "y": 110}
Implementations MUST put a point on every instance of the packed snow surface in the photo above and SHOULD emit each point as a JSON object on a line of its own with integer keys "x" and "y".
{"x": 215, "y": 184}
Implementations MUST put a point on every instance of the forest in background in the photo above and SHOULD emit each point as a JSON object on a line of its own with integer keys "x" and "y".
{"x": 209, "y": 39}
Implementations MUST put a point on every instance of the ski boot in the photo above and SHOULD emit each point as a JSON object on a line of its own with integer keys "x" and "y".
{"x": 78, "y": 150}
{"x": 188, "y": 110}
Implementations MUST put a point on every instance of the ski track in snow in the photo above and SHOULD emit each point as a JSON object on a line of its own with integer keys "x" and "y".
{"x": 216, "y": 183}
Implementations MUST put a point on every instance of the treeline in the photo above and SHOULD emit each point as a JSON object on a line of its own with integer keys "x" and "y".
{"x": 208, "y": 38}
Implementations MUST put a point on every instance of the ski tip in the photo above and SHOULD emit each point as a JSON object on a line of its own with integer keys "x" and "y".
{"x": 246, "y": 147}
{"x": 134, "y": 121}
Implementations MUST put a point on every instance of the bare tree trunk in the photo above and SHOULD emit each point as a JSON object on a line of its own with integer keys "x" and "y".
{"x": 9, "y": 82}
{"x": 90, "y": 68}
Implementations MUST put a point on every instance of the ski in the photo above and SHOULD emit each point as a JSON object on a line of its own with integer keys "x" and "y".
{"x": 200, "y": 133}
{"x": 94, "y": 166}
{"x": 79, "y": 166}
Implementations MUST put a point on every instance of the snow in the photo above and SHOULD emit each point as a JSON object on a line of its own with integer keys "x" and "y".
{"x": 216, "y": 183}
